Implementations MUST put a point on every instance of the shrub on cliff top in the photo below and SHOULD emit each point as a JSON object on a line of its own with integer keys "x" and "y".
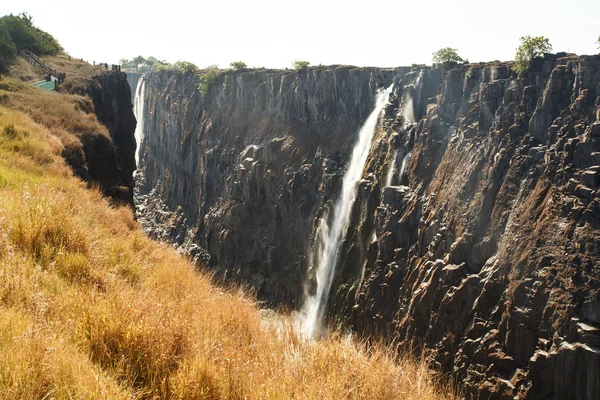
{"x": 27, "y": 36}
{"x": 530, "y": 48}
{"x": 210, "y": 75}
{"x": 298, "y": 64}
{"x": 185, "y": 66}
{"x": 447, "y": 57}
{"x": 598, "y": 42}
{"x": 238, "y": 65}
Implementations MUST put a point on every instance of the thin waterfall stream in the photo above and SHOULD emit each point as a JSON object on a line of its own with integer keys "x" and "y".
{"x": 330, "y": 236}
{"x": 138, "y": 111}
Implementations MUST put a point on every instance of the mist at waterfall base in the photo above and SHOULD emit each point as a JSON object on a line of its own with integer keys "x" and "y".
{"x": 138, "y": 111}
{"x": 330, "y": 236}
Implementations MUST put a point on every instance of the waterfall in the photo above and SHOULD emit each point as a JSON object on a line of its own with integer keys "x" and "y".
{"x": 403, "y": 166}
{"x": 392, "y": 170}
{"x": 409, "y": 112}
{"x": 408, "y": 109}
{"x": 329, "y": 237}
{"x": 138, "y": 111}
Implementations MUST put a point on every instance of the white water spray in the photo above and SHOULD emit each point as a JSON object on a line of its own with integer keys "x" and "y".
{"x": 330, "y": 237}
{"x": 392, "y": 170}
{"x": 138, "y": 111}
{"x": 403, "y": 166}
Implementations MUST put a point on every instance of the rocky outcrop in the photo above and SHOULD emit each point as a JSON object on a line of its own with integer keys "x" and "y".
{"x": 111, "y": 164}
{"x": 486, "y": 250}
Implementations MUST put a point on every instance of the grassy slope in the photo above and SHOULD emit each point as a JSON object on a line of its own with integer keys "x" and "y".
{"x": 91, "y": 308}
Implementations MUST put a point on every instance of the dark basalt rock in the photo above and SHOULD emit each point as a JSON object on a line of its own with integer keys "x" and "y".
{"x": 489, "y": 252}
{"x": 109, "y": 162}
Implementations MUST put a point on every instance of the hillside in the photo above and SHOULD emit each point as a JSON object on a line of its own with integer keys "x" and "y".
{"x": 92, "y": 308}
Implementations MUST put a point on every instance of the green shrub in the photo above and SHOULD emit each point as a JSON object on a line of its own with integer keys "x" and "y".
{"x": 141, "y": 64}
{"x": 598, "y": 42}
{"x": 297, "y": 64}
{"x": 7, "y": 46}
{"x": 447, "y": 57}
{"x": 530, "y": 48}
{"x": 210, "y": 75}
{"x": 238, "y": 65}
{"x": 185, "y": 66}
{"x": 8, "y": 50}
{"x": 26, "y": 36}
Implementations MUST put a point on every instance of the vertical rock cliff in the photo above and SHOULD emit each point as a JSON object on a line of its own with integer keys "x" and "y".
{"x": 110, "y": 164}
{"x": 484, "y": 248}
{"x": 244, "y": 167}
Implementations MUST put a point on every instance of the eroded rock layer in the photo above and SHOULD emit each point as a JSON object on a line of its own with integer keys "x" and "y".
{"x": 485, "y": 246}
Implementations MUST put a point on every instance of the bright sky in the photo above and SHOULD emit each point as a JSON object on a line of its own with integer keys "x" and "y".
{"x": 273, "y": 33}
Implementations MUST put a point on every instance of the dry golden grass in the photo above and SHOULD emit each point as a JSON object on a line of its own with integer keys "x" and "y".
{"x": 90, "y": 308}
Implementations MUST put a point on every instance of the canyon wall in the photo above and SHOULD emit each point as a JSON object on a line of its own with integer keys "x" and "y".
{"x": 484, "y": 249}
{"x": 108, "y": 163}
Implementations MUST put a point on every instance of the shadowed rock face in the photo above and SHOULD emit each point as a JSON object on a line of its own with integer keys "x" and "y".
{"x": 109, "y": 162}
{"x": 487, "y": 251}
{"x": 248, "y": 165}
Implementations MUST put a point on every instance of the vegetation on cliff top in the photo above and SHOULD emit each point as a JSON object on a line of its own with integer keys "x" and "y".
{"x": 447, "y": 57}
{"x": 530, "y": 48}
{"x": 26, "y": 36}
{"x": 17, "y": 32}
{"x": 299, "y": 64}
{"x": 92, "y": 308}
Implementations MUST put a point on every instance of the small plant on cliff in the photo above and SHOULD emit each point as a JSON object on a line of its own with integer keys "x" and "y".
{"x": 598, "y": 42}
{"x": 530, "y": 48}
{"x": 210, "y": 75}
{"x": 238, "y": 65}
{"x": 185, "y": 66}
{"x": 298, "y": 64}
{"x": 446, "y": 57}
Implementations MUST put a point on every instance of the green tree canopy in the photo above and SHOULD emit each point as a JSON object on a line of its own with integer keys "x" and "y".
{"x": 447, "y": 57}
{"x": 238, "y": 65}
{"x": 26, "y": 36}
{"x": 185, "y": 66}
{"x": 598, "y": 42}
{"x": 530, "y": 48}
{"x": 210, "y": 75}
{"x": 298, "y": 64}
{"x": 141, "y": 64}
{"x": 7, "y": 46}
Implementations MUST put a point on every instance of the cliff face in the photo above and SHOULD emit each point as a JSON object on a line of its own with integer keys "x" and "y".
{"x": 246, "y": 165}
{"x": 133, "y": 79}
{"x": 485, "y": 248}
{"x": 111, "y": 164}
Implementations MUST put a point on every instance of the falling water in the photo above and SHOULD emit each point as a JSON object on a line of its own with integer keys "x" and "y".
{"x": 392, "y": 170}
{"x": 403, "y": 166}
{"x": 329, "y": 237}
{"x": 138, "y": 111}
{"x": 410, "y": 117}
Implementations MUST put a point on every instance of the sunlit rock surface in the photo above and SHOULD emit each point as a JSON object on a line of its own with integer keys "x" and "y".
{"x": 486, "y": 250}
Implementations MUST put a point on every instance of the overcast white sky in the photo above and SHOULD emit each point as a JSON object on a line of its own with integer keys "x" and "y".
{"x": 272, "y": 33}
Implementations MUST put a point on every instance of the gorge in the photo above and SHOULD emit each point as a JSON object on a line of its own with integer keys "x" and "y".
{"x": 463, "y": 217}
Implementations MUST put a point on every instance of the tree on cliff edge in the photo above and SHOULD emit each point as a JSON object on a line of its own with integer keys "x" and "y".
{"x": 530, "y": 48}
{"x": 598, "y": 42}
{"x": 447, "y": 57}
